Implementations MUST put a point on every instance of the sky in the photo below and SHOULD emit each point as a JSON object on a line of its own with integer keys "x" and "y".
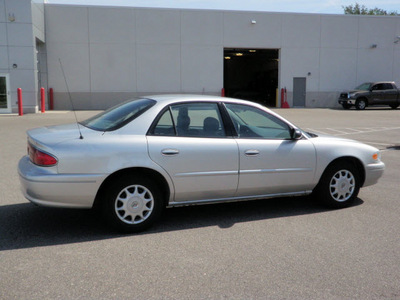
{"x": 300, "y": 6}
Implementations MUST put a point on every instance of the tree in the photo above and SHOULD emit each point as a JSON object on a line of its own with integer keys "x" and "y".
{"x": 358, "y": 9}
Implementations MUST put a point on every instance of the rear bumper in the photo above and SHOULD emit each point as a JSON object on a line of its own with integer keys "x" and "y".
{"x": 44, "y": 187}
{"x": 373, "y": 172}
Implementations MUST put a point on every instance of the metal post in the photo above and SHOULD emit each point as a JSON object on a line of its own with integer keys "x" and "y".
{"x": 51, "y": 99}
{"x": 20, "y": 106}
{"x": 42, "y": 102}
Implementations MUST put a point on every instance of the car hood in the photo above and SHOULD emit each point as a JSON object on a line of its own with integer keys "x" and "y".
{"x": 53, "y": 135}
{"x": 356, "y": 91}
{"x": 335, "y": 141}
{"x": 331, "y": 138}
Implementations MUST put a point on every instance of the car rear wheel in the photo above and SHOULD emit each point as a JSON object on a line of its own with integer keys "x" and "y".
{"x": 361, "y": 104}
{"x": 339, "y": 185}
{"x": 394, "y": 106}
{"x": 132, "y": 204}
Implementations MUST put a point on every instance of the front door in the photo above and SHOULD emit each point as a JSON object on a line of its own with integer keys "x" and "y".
{"x": 271, "y": 162}
{"x": 5, "y": 106}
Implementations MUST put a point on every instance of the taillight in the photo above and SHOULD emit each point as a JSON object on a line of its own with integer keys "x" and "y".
{"x": 41, "y": 158}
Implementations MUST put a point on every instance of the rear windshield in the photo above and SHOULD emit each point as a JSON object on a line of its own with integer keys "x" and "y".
{"x": 119, "y": 115}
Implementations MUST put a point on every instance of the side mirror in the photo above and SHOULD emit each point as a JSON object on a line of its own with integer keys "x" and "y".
{"x": 296, "y": 134}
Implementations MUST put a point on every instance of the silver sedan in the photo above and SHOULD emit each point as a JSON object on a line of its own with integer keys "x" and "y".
{"x": 143, "y": 155}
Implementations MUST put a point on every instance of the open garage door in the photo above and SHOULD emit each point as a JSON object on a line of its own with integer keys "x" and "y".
{"x": 252, "y": 74}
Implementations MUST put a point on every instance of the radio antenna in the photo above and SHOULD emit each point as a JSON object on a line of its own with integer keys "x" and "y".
{"x": 70, "y": 99}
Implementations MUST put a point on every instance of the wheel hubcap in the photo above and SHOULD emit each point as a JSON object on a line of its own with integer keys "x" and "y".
{"x": 134, "y": 204}
{"x": 342, "y": 185}
{"x": 361, "y": 105}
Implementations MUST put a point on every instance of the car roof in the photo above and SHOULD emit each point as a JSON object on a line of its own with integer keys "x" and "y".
{"x": 182, "y": 97}
{"x": 173, "y": 98}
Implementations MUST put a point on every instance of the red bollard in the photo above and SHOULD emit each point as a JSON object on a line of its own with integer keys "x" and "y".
{"x": 20, "y": 107}
{"x": 42, "y": 100}
{"x": 51, "y": 99}
{"x": 284, "y": 103}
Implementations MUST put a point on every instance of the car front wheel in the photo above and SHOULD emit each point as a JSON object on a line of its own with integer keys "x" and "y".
{"x": 339, "y": 185}
{"x": 361, "y": 104}
{"x": 132, "y": 204}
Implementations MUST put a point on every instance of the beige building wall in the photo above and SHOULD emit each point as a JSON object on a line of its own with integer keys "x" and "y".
{"x": 113, "y": 53}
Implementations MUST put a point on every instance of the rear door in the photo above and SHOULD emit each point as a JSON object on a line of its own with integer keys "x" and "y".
{"x": 390, "y": 94}
{"x": 189, "y": 141}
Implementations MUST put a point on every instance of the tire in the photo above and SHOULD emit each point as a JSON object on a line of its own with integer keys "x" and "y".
{"x": 346, "y": 106}
{"x": 394, "y": 106}
{"x": 361, "y": 104}
{"x": 132, "y": 203}
{"x": 339, "y": 185}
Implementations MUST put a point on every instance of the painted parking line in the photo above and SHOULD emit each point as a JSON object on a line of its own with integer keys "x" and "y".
{"x": 336, "y": 130}
{"x": 368, "y": 130}
{"x": 315, "y": 130}
{"x": 350, "y": 131}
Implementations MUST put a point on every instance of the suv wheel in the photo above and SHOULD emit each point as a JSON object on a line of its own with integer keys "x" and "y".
{"x": 361, "y": 104}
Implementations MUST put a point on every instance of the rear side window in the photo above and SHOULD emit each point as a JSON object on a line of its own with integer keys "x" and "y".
{"x": 191, "y": 120}
{"x": 119, "y": 115}
{"x": 388, "y": 86}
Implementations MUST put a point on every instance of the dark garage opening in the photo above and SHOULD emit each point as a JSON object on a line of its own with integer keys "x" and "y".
{"x": 251, "y": 74}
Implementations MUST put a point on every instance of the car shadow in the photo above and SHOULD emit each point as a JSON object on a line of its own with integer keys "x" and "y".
{"x": 27, "y": 226}
{"x": 369, "y": 108}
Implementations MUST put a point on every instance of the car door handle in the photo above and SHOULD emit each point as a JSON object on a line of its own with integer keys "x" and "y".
{"x": 170, "y": 152}
{"x": 251, "y": 152}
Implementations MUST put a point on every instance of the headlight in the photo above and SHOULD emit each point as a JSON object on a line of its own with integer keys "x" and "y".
{"x": 351, "y": 95}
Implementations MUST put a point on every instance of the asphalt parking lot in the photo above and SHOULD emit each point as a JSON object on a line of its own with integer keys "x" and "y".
{"x": 287, "y": 248}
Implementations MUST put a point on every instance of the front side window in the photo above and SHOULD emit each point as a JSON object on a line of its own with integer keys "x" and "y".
{"x": 119, "y": 115}
{"x": 251, "y": 122}
{"x": 378, "y": 87}
{"x": 190, "y": 120}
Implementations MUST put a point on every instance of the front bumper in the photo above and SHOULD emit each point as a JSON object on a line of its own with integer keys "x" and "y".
{"x": 44, "y": 187}
{"x": 347, "y": 101}
{"x": 373, "y": 172}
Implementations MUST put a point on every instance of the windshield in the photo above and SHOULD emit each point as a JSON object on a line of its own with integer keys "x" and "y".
{"x": 364, "y": 87}
{"x": 119, "y": 115}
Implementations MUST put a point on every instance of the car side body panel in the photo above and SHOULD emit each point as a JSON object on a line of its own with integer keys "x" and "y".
{"x": 330, "y": 149}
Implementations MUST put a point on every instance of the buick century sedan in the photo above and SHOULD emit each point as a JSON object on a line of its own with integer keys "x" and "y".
{"x": 144, "y": 155}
